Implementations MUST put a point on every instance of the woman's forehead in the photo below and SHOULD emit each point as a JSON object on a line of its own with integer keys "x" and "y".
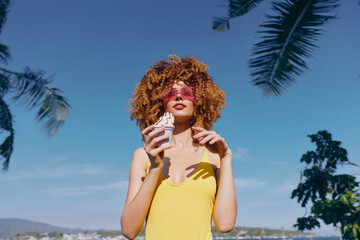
{"x": 179, "y": 84}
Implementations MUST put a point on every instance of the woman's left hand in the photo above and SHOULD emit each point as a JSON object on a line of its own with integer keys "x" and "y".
{"x": 212, "y": 141}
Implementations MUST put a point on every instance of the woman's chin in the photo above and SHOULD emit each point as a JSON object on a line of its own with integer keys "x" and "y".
{"x": 181, "y": 113}
{"x": 181, "y": 119}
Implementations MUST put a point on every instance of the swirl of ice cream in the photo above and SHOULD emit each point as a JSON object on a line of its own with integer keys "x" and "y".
{"x": 166, "y": 120}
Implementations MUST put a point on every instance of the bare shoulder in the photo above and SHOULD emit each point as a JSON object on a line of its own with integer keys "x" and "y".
{"x": 214, "y": 159}
{"x": 140, "y": 158}
{"x": 140, "y": 152}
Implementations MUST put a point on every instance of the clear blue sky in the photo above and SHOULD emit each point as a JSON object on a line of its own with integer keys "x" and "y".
{"x": 99, "y": 50}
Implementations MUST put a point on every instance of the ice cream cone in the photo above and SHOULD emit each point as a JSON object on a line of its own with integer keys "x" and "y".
{"x": 168, "y": 131}
{"x": 166, "y": 121}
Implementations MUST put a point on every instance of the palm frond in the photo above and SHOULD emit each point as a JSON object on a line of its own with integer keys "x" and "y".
{"x": 4, "y": 53}
{"x": 54, "y": 110}
{"x": 287, "y": 38}
{"x": 4, "y": 84}
{"x": 6, "y": 123}
{"x": 4, "y": 4}
{"x": 236, "y": 8}
{"x": 220, "y": 24}
{"x": 29, "y": 86}
{"x": 32, "y": 89}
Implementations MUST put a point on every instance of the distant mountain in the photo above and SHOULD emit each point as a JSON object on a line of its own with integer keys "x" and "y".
{"x": 10, "y": 226}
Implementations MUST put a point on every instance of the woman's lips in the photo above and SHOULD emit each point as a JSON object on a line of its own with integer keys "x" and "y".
{"x": 179, "y": 106}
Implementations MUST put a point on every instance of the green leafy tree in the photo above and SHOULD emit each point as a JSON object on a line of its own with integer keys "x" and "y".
{"x": 288, "y": 37}
{"x": 30, "y": 88}
{"x": 335, "y": 198}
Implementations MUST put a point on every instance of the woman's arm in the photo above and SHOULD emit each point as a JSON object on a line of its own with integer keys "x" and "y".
{"x": 140, "y": 192}
{"x": 141, "y": 185}
{"x": 225, "y": 207}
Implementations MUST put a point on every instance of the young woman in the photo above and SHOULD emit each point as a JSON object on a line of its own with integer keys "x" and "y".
{"x": 179, "y": 188}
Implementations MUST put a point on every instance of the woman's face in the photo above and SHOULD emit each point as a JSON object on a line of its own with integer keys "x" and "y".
{"x": 181, "y": 104}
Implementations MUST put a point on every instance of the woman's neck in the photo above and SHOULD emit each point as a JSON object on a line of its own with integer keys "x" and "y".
{"x": 182, "y": 136}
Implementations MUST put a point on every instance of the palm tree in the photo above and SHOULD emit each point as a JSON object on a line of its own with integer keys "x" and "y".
{"x": 32, "y": 89}
{"x": 287, "y": 38}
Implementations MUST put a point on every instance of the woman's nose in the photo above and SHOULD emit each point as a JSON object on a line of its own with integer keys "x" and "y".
{"x": 179, "y": 97}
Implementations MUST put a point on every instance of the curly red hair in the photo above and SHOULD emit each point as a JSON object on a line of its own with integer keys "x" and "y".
{"x": 146, "y": 105}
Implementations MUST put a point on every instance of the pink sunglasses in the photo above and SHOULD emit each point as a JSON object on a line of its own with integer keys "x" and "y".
{"x": 187, "y": 93}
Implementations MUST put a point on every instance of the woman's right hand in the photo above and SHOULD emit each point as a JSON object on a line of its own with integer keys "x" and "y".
{"x": 152, "y": 140}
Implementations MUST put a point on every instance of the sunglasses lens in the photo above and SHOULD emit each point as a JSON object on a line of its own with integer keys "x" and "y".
{"x": 172, "y": 94}
{"x": 187, "y": 91}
